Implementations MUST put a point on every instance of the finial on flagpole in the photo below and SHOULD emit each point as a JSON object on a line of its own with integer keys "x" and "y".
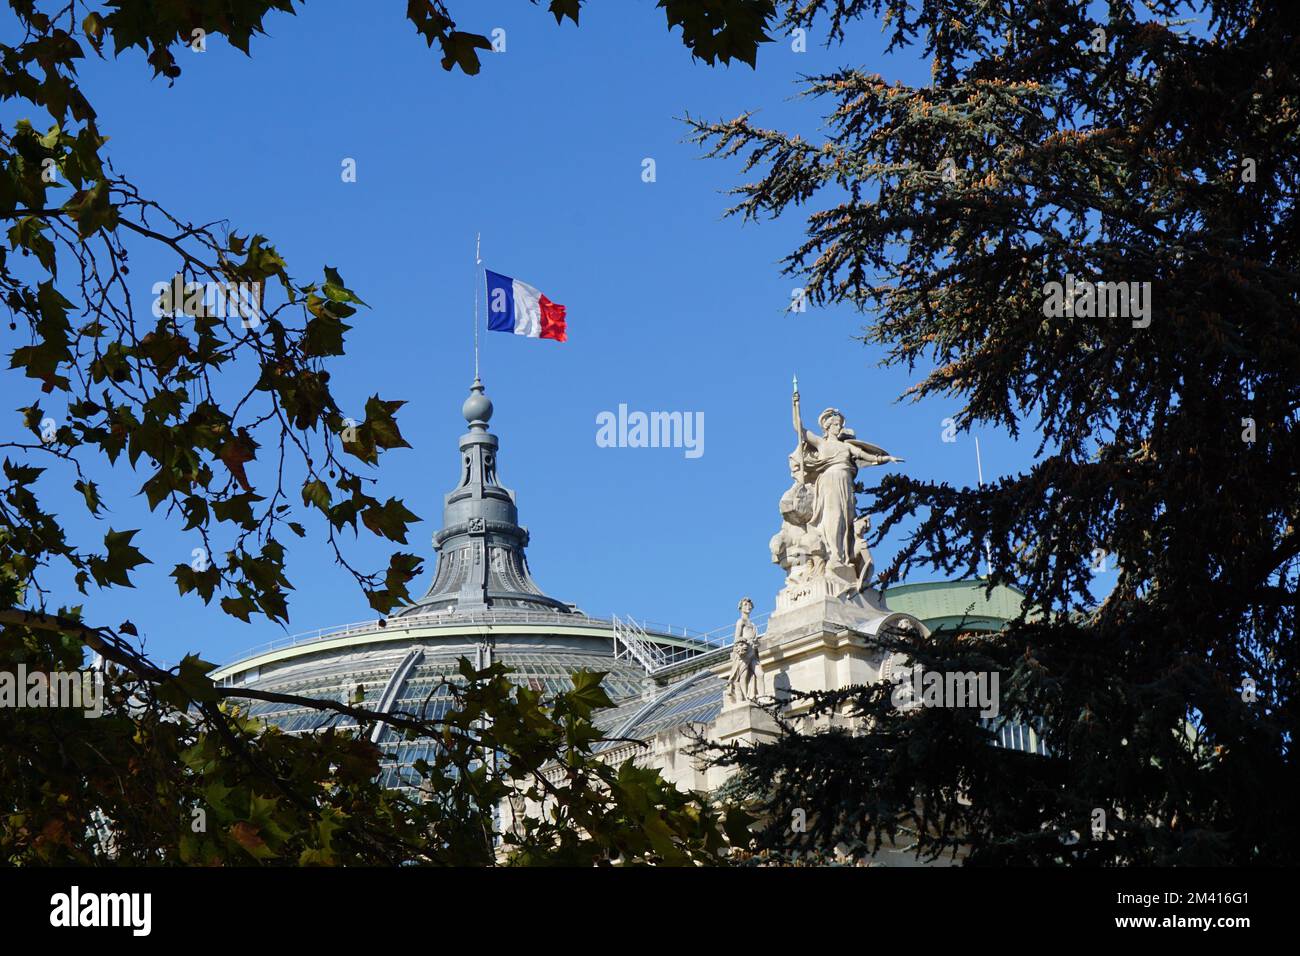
{"x": 477, "y": 262}
{"x": 796, "y": 384}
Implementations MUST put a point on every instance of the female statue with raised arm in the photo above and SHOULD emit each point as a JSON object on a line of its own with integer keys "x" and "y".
{"x": 830, "y": 462}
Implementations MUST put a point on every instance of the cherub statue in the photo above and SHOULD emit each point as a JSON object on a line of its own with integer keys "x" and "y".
{"x": 861, "y": 554}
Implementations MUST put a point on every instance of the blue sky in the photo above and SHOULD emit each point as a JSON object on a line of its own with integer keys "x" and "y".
{"x": 670, "y": 307}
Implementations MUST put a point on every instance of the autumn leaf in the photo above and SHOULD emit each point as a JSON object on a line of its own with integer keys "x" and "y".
{"x": 237, "y": 452}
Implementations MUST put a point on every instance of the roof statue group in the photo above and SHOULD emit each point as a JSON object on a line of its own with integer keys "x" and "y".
{"x": 822, "y": 542}
{"x": 822, "y": 538}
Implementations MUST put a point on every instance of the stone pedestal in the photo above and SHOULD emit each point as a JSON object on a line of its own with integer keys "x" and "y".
{"x": 744, "y": 723}
{"x": 740, "y": 723}
{"x": 821, "y": 643}
{"x": 824, "y": 588}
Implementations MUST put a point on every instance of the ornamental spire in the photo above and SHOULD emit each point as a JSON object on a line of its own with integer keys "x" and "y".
{"x": 481, "y": 561}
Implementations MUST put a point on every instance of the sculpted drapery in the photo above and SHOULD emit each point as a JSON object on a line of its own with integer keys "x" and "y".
{"x": 829, "y": 464}
{"x": 744, "y": 683}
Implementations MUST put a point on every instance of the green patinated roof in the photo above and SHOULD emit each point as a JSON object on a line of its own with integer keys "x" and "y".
{"x": 956, "y": 604}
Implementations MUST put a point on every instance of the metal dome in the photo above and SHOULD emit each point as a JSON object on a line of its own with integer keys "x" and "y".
{"x": 482, "y": 605}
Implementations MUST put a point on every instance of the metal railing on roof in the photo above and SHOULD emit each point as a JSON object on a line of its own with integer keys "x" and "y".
{"x": 704, "y": 640}
{"x": 631, "y": 640}
{"x": 660, "y": 657}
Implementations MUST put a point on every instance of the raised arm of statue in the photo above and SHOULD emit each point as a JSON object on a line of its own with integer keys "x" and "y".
{"x": 869, "y": 454}
{"x": 806, "y": 438}
{"x": 803, "y": 438}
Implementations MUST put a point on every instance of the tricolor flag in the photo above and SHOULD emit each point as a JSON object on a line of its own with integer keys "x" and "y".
{"x": 517, "y": 307}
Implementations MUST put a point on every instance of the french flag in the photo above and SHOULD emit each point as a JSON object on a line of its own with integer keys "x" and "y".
{"x": 517, "y": 307}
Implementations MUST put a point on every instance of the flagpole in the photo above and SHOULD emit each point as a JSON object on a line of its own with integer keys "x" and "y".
{"x": 979, "y": 467}
{"x": 478, "y": 261}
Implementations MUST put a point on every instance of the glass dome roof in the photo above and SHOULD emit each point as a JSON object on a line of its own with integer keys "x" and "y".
{"x": 482, "y": 605}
